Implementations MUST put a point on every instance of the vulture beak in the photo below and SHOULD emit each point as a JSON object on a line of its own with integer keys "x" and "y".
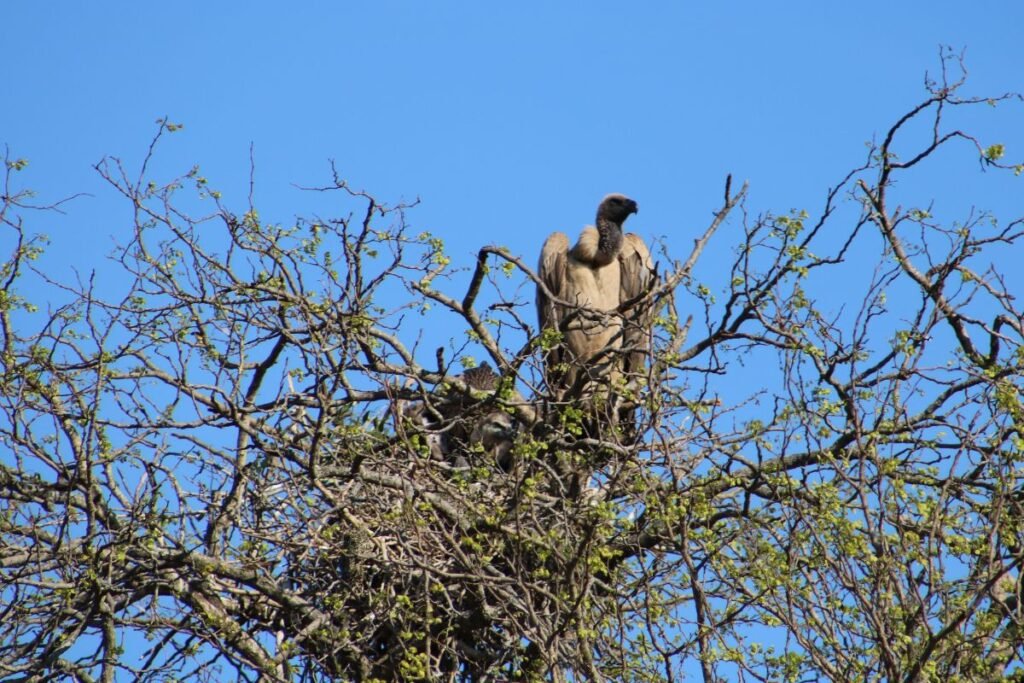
{"x": 633, "y": 208}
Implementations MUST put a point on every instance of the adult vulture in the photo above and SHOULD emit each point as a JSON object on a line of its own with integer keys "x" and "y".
{"x": 591, "y": 280}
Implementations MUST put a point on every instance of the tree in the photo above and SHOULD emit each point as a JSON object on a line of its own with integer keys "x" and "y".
{"x": 226, "y": 470}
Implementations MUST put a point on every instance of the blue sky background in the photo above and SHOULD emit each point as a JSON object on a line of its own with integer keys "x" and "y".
{"x": 507, "y": 120}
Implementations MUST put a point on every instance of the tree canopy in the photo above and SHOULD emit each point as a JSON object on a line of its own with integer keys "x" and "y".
{"x": 246, "y": 465}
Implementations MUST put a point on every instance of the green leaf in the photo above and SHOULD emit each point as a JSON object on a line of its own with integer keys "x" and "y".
{"x": 994, "y": 152}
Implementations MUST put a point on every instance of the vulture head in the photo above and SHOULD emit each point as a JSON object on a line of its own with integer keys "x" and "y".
{"x": 601, "y": 246}
{"x": 616, "y": 208}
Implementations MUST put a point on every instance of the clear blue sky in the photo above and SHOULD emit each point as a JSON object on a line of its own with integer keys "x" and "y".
{"x": 508, "y": 120}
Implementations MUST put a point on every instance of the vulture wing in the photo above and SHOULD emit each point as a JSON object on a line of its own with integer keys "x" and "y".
{"x": 552, "y": 271}
{"x": 637, "y": 277}
{"x": 554, "y": 259}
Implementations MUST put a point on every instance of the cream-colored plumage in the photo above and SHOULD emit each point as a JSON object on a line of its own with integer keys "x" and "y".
{"x": 590, "y": 281}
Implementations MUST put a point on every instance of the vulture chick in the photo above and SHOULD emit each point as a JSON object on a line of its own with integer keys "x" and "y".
{"x": 495, "y": 432}
{"x": 453, "y": 425}
{"x": 604, "y": 269}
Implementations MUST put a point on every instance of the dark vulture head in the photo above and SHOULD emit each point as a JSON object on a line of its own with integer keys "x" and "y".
{"x": 616, "y": 208}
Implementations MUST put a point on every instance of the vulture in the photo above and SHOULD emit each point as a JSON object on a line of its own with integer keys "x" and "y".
{"x": 495, "y": 432}
{"x": 604, "y": 269}
{"x": 455, "y": 426}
